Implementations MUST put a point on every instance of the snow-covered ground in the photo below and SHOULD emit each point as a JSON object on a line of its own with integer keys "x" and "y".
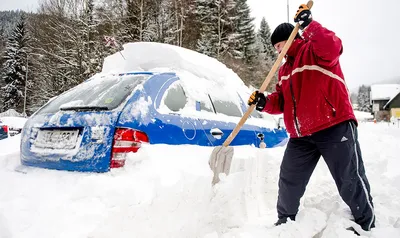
{"x": 165, "y": 191}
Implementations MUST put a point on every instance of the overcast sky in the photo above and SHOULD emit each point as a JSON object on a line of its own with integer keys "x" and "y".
{"x": 368, "y": 29}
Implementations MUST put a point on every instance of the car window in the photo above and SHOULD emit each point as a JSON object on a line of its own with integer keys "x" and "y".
{"x": 226, "y": 107}
{"x": 107, "y": 91}
{"x": 206, "y": 105}
{"x": 256, "y": 114}
{"x": 175, "y": 98}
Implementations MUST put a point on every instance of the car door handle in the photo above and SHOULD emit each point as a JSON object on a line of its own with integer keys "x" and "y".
{"x": 216, "y": 132}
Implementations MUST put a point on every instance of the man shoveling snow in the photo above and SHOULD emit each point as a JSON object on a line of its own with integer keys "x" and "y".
{"x": 313, "y": 96}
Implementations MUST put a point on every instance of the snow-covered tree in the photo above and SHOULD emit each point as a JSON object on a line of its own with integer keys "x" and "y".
{"x": 264, "y": 36}
{"x": 363, "y": 98}
{"x": 68, "y": 36}
{"x": 171, "y": 18}
{"x": 205, "y": 14}
{"x": 266, "y": 57}
{"x": 14, "y": 68}
{"x": 216, "y": 26}
{"x": 68, "y": 48}
{"x": 243, "y": 35}
{"x": 207, "y": 44}
{"x": 91, "y": 48}
{"x": 139, "y": 23}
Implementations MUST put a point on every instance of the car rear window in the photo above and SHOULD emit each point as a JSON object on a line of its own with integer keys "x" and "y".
{"x": 106, "y": 92}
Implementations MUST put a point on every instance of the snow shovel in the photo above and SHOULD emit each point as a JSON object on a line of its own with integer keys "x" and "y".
{"x": 221, "y": 157}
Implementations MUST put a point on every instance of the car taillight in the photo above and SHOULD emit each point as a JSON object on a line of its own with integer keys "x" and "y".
{"x": 5, "y": 129}
{"x": 125, "y": 141}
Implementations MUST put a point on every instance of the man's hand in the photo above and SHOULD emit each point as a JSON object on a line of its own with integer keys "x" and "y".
{"x": 303, "y": 16}
{"x": 259, "y": 99}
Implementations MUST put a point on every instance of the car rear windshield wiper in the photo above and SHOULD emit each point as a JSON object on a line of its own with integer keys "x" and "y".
{"x": 84, "y": 108}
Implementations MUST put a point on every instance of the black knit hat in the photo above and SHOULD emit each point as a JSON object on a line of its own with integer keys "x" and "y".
{"x": 282, "y": 33}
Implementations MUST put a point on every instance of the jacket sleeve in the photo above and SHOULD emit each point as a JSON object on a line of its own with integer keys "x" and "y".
{"x": 326, "y": 46}
{"x": 275, "y": 101}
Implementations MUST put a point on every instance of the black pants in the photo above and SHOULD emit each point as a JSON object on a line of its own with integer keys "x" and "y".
{"x": 340, "y": 149}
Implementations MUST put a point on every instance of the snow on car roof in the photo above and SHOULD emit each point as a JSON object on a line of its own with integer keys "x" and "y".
{"x": 198, "y": 73}
{"x": 160, "y": 57}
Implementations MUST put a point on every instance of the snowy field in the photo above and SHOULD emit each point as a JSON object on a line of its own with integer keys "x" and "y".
{"x": 165, "y": 191}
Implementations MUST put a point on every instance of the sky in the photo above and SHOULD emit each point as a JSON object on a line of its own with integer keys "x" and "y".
{"x": 369, "y": 35}
{"x": 26, "y": 5}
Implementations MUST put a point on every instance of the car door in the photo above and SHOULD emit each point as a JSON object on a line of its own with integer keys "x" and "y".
{"x": 177, "y": 119}
{"x": 227, "y": 115}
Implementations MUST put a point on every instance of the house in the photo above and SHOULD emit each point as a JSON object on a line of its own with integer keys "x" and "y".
{"x": 380, "y": 96}
{"x": 393, "y": 106}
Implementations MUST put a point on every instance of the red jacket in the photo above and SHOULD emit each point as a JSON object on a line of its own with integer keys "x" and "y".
{"x": 311, "y": 92}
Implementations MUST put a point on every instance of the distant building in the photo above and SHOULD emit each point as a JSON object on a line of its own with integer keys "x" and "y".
{"x": 383, "y": 99}
{"x": 393, "y": 106}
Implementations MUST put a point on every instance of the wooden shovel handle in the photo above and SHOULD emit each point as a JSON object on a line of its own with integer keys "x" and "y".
{"x": 266, "y": 81}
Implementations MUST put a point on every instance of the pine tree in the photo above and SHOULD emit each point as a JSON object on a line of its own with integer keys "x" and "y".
{"x": 265, "y": 59}
{"x": 14, "y": 68}
{"x": 206, "y": 15}
{"x": 216, "y": 26}
{"x": 264, "y": 35}
{"x": 243, "y": 35}
{"x": 363, "y": 98}
{"x": 207, "y": 44}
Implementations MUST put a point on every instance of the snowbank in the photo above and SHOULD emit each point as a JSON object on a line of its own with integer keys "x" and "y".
{"x": 11, "y": 113}
{"x": 165, "y": 191}
{"x": 363, "y": 116}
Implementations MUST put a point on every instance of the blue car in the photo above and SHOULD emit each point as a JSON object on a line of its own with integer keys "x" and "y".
{"x": 93, "y": 126}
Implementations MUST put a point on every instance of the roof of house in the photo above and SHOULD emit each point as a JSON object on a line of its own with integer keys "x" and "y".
{"x": 384, "y": 91}
{"x": 390, "y": 101}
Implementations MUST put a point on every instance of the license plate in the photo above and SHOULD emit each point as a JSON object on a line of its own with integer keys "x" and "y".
{"x": 57, "y": 139}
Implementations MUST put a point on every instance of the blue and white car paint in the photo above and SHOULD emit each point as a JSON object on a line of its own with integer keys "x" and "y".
{"x": 164, "y": 106}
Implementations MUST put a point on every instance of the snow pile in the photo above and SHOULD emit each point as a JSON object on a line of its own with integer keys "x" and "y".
{"x": 165, "y": 191}
{"x": 159, "y": 57}
{"x": 363, "y": 116}
{"x": 11, "y": 113}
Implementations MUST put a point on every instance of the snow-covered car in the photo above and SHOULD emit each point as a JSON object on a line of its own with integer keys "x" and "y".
{"x": 172, "y": 100}
{"x": 3, "y": 130}
{"x": 13, "y": 124}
